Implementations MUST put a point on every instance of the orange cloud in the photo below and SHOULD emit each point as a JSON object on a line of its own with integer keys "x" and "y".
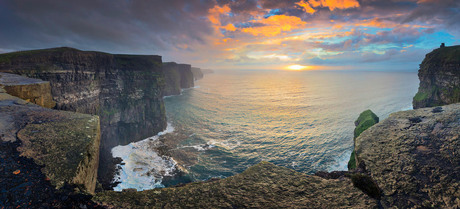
{"x": 306, "y": 7}
{"x": 229, "y": 27}
{"x": 274, "y": 25}
{"x": 331, "y": 4}
{"x": 215, "y": 12}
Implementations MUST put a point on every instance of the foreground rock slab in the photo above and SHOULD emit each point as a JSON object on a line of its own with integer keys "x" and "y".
{"x": 66, "y": 144}
{"x": 261, "y": 186}
{"x": 414, "y": 157}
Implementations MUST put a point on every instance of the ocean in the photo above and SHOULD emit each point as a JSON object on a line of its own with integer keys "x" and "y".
{"x": 231, "y": 120}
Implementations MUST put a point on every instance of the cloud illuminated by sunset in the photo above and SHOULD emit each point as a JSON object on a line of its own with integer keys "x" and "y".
{"x": 241, "y": 34}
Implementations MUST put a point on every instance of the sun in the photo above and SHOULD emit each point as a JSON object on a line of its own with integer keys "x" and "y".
{"x": 297, "y": 67}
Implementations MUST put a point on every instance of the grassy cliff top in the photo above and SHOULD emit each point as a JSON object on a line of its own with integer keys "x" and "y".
{"x": 7, "y": 57}
{"x": 444, "y": 55}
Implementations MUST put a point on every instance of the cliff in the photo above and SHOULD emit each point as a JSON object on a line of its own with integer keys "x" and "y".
{"x": 126, "y": 91}
{"x": 177, "y": 77}
{"x": 65, "y": 144}
{"x": 365, "y": 120}
{"x": 439, "y": 76}
{"x": 197, "y": 73}
{"x": 414, "y": 157}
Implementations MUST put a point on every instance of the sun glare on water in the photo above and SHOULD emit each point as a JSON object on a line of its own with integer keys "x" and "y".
{"x": 297, "y": 67}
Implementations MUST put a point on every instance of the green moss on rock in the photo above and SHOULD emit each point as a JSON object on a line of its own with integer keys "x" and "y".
{"x": 365, "y": 120}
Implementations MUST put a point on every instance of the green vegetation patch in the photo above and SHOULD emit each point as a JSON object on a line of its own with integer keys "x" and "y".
{"x": 352, "y": 161}
{"x": 444, "y": 55}
{"x": 6, "y": 58}
{"x": 420, "y": 96}
{"x": 365, "y": 120}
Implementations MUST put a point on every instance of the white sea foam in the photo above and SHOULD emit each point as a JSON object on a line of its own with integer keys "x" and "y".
{"x": 200, "y": 147}
{"x": 341, "y": 163}
{"x": 143, "y": 168}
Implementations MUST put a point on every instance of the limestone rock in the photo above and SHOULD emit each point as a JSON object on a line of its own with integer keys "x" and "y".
{"x": 414, "y": 156}
{"x": 28, "y": 89}
{"x": 261, "y": 186}
{"x": 66, "y": 144}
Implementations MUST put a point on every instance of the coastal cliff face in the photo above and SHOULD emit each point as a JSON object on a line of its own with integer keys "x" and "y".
{"x": 439, "y": 76}
{"x": 65, "y": 144}
{"x": 177, "y": 77}
{"x": 124, "y": 90}
{"x": 197, "y": 73}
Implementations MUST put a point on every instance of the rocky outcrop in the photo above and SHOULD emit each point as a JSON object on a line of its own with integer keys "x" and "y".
{"x": 126, "y": 91}
{"x": 365, "y": 120}
{"x": 439, "y": 76}
{"x": 414, "y": 157}
{"x": 261, "y": 186}
{"x": 197, "y": 74}
{"x": 65, "y": 143}
{"x": 31, "y": 90}
{"x": 177, "y": 77}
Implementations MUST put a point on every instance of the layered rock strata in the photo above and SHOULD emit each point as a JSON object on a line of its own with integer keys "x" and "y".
{"x": 126, "y": 91}
{"x": 177, "y": 77}
{"x": 439, "y": 76}
{"x": 31, "y": 90}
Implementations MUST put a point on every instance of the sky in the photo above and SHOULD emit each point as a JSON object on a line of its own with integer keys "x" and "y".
{"x": 240, "y": 34}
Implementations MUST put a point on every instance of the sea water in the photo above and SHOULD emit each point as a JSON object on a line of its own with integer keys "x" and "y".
{"x": 232, "y": 120}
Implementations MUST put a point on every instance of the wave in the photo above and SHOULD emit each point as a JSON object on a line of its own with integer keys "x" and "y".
{"x": 143, "y": 168}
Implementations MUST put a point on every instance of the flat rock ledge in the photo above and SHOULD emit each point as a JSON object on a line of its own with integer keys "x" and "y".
{"x": 261, "y": 186}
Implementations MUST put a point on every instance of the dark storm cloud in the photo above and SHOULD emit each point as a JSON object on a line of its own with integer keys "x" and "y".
{"x": 116, "y": 25}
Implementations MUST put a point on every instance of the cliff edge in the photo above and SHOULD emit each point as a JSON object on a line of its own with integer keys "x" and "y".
{"x": 439, "y": 76}
{"x": 65, "y": 144}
